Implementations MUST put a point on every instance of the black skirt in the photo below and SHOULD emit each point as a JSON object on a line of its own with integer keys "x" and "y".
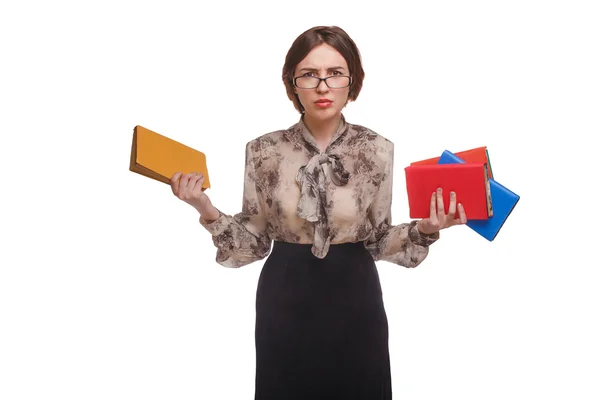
{"x": 321, "y": 326}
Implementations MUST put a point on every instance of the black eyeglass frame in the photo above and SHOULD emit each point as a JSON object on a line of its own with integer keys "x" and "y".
{"x": 325, "y": 80}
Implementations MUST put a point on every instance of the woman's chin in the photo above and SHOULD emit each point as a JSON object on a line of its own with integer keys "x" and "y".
{"x": 323, "y": 113}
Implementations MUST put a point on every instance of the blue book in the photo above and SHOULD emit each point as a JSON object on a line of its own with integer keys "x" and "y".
{"x": 503, "y": 202}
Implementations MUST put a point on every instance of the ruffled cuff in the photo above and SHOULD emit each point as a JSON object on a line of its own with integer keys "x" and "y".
{"x": 421, "y": 239}
{"x": 217, "y": 226}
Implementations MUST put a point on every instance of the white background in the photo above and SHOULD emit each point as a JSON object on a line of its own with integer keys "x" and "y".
{"x": 108, "y": 285}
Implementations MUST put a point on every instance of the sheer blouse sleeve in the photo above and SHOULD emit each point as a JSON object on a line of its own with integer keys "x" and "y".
{"x": 242, "y": 238}
{"x": 401, "y": 244}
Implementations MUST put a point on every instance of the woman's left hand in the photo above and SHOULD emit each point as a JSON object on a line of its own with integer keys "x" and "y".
{"x": 438, "y": 219}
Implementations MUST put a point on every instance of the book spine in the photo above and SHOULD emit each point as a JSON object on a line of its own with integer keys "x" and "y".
{"x": 488, "y": 191}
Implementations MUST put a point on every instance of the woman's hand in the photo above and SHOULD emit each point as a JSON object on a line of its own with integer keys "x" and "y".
{"x": 189, "y": 188}
{"x": 438, "y": 219}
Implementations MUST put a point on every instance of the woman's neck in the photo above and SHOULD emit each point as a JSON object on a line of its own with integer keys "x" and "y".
{"x": 323, "y": 129}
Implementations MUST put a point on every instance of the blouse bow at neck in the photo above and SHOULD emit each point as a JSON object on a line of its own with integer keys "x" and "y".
{"x": 313, "y": 201}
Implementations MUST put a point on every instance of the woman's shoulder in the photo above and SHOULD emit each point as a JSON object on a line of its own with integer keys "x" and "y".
{"x": 267, "y": 139}
{"x": 361, "y": 134}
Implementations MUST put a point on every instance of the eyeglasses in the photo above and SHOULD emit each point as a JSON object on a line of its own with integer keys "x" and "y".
{"x": 333, "y": 82}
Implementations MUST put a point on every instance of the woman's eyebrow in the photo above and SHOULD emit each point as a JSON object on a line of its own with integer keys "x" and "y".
{"x": 316, "y": 69}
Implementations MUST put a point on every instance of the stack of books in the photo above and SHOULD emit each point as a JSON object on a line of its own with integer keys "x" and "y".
{"x": 487, "y": 203}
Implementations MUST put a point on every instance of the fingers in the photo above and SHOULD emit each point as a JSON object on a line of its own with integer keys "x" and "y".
{"x": 433, "y": 208}
{"x": 437, "y": 210}
{"x": 452, "y": 206}
{"x": 199, "y": 182}
{"x": 462, "y": 216}
{"x": 175, "y": 182}
{"x": 441, "y": 211}
{"x": 183, "y": 185}
{"x": 192, "y": 182}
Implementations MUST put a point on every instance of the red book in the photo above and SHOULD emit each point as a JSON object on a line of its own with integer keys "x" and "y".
{"x": 470, "y": 182}
{"x": 476, "y": 155}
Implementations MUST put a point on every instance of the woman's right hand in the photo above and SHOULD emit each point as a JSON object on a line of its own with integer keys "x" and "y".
{"x": 189, "y": 188}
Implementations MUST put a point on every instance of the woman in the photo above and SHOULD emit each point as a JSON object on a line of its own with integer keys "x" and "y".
{"x": 320, "y": 192}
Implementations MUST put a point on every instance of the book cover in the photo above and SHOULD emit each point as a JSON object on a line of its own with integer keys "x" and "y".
{"x": 158, "y": 157}
{"x": 504, "y": 200}
{"x": 469, "y": 181}
{"x": 476, "y": 155}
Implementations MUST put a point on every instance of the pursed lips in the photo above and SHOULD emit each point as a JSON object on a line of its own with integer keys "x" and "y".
{"x": 323, "y": 103}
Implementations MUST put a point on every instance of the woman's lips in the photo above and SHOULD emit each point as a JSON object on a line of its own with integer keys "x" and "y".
{"x": 323, "y": 103}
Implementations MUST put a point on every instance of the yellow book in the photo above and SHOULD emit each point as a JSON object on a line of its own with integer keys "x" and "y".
{"x": 159, "y": 157}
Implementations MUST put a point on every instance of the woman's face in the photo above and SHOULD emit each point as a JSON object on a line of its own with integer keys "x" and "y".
{"x": 322, "y": 102}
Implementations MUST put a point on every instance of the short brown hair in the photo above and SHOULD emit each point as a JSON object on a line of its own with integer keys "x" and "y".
{"x": 335, "y": 37}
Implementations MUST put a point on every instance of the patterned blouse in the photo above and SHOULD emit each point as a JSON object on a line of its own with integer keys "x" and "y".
{"x": 294, "y": 192}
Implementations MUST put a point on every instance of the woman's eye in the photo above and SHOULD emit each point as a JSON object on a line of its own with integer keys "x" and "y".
{"x": 336, "y": 73}
{"x": 309, "y": 74}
